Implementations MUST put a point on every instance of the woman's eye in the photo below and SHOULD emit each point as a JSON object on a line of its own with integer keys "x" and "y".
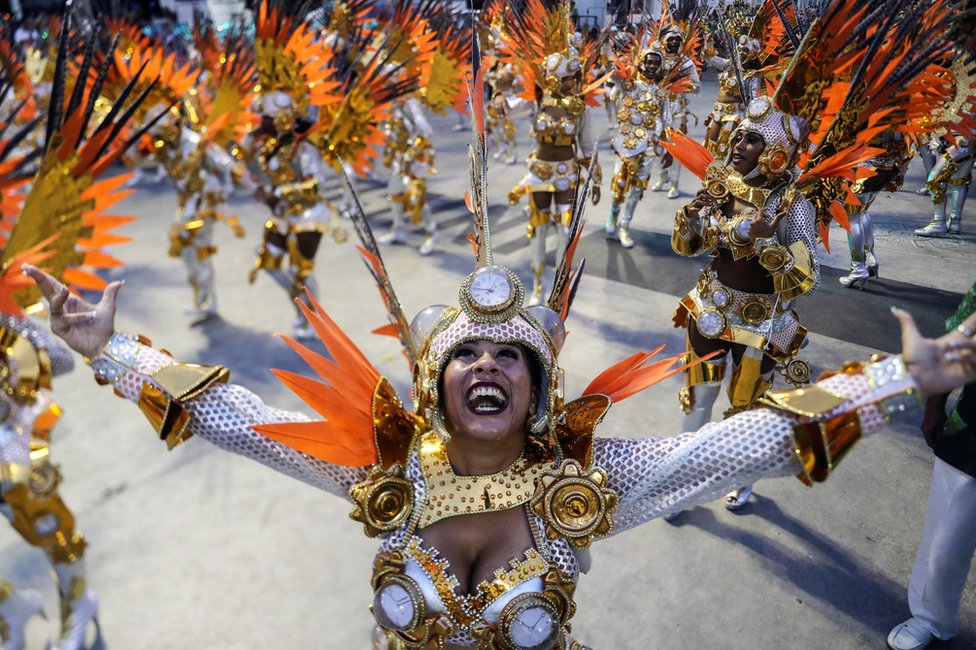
{"x": 464, "y": 352}
{"x": 508, "y": 353}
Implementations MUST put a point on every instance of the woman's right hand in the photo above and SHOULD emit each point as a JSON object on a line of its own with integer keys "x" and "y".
{"x": 702, "y": 200}
{"x": 84, "y": 327}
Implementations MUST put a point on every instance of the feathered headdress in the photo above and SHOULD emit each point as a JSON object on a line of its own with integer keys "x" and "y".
{"x": 859, "y": 70}
{"x": 291, "y": 59}
{"x": 63, "y": 220}
{"x": 364, "y": 423}
{"x": 541, "y": 43}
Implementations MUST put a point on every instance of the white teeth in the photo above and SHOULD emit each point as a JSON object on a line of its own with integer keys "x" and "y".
{"x": 486, "y": 399}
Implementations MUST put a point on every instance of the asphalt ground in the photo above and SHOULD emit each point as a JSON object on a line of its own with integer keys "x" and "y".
{"x": 199, "y": 548}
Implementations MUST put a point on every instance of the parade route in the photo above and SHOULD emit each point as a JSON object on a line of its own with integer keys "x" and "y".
{"x": 197, "y": 548}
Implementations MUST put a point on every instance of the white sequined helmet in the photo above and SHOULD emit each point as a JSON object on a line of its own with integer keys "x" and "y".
{"x": 566, "y": 63}
{"x": 439, "y": 330}
{"x": 782, "y": 135}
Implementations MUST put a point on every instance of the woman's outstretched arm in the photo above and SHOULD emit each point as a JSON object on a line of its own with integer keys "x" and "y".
{"x": 181, "y": 400}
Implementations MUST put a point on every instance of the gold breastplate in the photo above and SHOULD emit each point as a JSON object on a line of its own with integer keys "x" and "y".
{"x": 282, "y": 171}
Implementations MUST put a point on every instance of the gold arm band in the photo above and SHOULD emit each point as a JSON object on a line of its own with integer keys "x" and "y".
{"x": 820, "y": 446}
{"x": 685, "y": 238}
{"x": 800, "y": 278}
{"x": 809, "y": 402}
{"x": 178, "y": 383}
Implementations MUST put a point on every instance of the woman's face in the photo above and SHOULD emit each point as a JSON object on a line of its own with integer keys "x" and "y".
{"x": 487, "y": 390}
{"x": 747, "y": 146}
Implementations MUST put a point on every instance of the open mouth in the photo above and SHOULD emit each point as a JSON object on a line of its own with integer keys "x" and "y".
{"x": 486, "y": 398}
{"x": 737, "y": 158}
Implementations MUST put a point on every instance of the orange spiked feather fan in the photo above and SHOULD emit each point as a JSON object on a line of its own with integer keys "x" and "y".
{"x": 344, "y": 398}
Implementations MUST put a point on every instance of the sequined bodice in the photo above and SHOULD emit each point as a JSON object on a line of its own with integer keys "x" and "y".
{"x": 551, "y": 127}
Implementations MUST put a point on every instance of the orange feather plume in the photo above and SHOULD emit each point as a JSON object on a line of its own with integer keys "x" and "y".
{"x": 344, "y": 398}
{"x": 631, "y": 375}
{"x": 692, "y": 155}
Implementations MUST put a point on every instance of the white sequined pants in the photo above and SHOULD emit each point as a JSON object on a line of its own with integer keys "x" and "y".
{"x": 946, "y": 552}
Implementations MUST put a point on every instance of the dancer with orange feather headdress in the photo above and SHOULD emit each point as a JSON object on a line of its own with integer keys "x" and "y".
{"x": 492, "y": 467}
{"x": 60, "y": 224}
{"x": 556, "y": 73}
{"x": 427, "y": 41}
{"x": 679, "y": 34}
{"x": 789, "y": 171}
{"x": 322, "y": 101}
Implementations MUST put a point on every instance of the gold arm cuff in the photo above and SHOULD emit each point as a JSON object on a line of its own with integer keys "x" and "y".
{"x": 800, "y": 278}
{"x": 163, "y": 405}
{"x": 685, "y": 239}
{"x": 184, "y": 381}
{"x": 820, "y": 446}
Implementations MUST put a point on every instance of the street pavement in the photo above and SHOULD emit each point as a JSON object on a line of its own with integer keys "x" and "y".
{"x": 197, "y": 548}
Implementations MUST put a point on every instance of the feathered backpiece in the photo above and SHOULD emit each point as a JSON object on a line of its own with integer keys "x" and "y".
{"x": 858, "y": 71}
{"x": 871, "y": 64}
{"x": 63, "y": 217}
{"x": 445, "y": 86}
{"x": 540, "y": 42}
{"x": 148, "y": 70}
{"x": 363, "y": 86}
{"x": 290, "y": 57}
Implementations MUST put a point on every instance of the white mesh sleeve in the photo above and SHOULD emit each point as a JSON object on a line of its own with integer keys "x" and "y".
{"x": 223, "y": 415}
{"x": 655, "y": 476}
{"x": 800, "y": 225}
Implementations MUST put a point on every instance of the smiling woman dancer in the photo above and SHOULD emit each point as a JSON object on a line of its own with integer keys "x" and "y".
{"x": 485, "y": 494}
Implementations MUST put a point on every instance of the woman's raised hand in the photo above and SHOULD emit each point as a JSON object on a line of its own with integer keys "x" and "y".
{"x": 938, "y": 365}
{"x": 85, "y": 327}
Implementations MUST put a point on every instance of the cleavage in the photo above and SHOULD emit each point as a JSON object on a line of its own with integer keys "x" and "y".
{"x": 477, "y": 545}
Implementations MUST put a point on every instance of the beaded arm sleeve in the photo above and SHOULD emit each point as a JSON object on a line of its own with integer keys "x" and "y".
{"x": 801, "y": 433}
{"x": 221, "y": 413}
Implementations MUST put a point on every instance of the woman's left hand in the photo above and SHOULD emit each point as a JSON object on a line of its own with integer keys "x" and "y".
{"x": 762, "y": 229}
{"x": 595, "y": 194}
{"x": 938, "y": 365}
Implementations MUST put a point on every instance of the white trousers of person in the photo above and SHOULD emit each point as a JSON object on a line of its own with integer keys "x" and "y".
{"x": 946, "y": 551}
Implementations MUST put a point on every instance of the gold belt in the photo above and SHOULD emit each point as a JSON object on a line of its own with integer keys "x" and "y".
{"x": 755, "y": 310}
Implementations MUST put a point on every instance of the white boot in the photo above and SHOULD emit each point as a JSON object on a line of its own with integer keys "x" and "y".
{"x": 936, "y": 228}
{"x": 673, "y": 191}
{"x": 16, "y": 608}
{"x": 859, "y": 273}
{"x": 956, "y": 198}
{"x": 662, "y": 179}
{"x": 79, "y": 606}
{"x": 430, "y": 244}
